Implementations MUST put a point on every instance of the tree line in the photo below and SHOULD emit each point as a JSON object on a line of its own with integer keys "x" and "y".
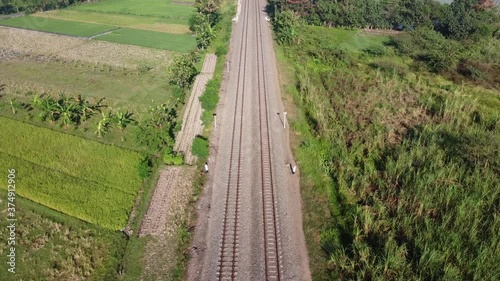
{"x": 31, "y": 6}
{"x": 462, "y": 19}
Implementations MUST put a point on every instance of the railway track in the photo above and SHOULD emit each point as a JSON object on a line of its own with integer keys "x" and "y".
{"x": 272, "y": 249}
{"x": 228, "y": 255}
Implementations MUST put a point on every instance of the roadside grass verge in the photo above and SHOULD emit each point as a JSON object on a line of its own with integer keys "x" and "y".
{"x": 59, "y": 246}
{"x": 151, "y": 39}
{"x": 132, "y": 21}
{"x": 57, "y": 26}
{"x": 89, "y": 180}
{"x": 155, "y": 8}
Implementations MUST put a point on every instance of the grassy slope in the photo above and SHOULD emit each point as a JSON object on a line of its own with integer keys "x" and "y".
{"x": 151, "y": 39}
{"x": 394, "y": 201}
{"x": 57, "y": 26}
{"x": 92, "y": 181}
{"x": 58, "y": 246}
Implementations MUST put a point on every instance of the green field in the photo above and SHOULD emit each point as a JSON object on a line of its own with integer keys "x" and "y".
{"x": 153, "y": 24}
{"x": 155, "y": 8}
{"x": 140, "y": 22}
{"x": 86, "y": 179}
{"x": 57, "y": 26}
{"x": 54, "y": 246}
{"x": 151, "y": 39}
{"x": 121, "y": 87}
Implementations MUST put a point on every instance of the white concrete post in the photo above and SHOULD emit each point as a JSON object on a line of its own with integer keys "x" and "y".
{"x": 284, "y": 120}
{"x": 215, "y": 121}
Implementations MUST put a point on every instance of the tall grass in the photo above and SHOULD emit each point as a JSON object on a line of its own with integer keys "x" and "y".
{"x": 405, "y": 167}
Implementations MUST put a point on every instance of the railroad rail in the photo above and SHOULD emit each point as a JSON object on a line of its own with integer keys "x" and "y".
{"x": 228, "y": 256}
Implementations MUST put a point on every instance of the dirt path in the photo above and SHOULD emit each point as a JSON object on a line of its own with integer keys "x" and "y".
{"x": 166, "y": 213}
{"x": 191, "y": 123}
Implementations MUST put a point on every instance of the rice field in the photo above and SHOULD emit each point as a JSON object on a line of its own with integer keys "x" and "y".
{"x": 152, "y": 24}
{"x": 55, "y": 246}
{"x": 91, "y": 181}
{"x": 154, "y": 8}
{"x": 176, "y": 26}
{"x": 24, "y": 42}
{"x": 152, "y": 39}
{"x": 57, "y": 26}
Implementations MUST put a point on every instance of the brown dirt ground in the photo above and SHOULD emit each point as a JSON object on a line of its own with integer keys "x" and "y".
{"x": 166, "y": 213}
{"x": 74, "y": 49}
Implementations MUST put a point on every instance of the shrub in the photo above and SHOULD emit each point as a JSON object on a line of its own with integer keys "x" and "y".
{"x": 200, "y": 147}
{"x": 210, "y": 97}
{"x": 172, "y": 158}
{"x": 285, "y": 26}
{"x": 183, "y": 71}
{"x": 220, "y": 51}
{"x": 390, "y": 66}
{"x": 375, "y": 50}
{"x": 145, "y": 167}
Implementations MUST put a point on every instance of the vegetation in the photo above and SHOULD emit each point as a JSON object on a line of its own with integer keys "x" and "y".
{"x": 200, "y": 147}
{"x": 183, "y": 71}
{"x": 399, "y": 167}
{"x": 139, "y": 22}
{"x": 151, "y": 39}
{"x": 462, "y": 19}
{"x": 90, "y": 252}
{"x": 154, "y": 8}
{"x": 57, "y": 26}
{"x": 204, "y": 21}
{"x": 91, "y": 181}
{"x": 209, "y": 100}
{"x": 31, "y": 6}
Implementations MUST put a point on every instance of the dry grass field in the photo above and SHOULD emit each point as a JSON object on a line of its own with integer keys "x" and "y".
{"x": 73, "y": 49}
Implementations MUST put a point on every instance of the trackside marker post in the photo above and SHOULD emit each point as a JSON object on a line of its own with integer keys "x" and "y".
{"x": 284, "y": 120}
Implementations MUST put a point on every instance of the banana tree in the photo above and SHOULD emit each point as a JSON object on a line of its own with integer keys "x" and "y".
{"x": 14, "y": 105}
{"x": 68, "y": 114}
{"x": 123, "y": 119}
{"x": 48, "y": 108}
{"x": 103, "y": 125}
{"x": 85, "y": 108}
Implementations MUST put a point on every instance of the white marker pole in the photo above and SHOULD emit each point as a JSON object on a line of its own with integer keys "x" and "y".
{"x": 284, "y": 120}
{"x": 215, "y": 121}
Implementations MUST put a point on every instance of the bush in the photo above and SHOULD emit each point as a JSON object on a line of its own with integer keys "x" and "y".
{"x": 375, "y": 50}
{"x": 210, "y": 97}
{"x": 285, "y": 26}
{"x": 220, "y": 51}
{"x": 145, "y": 167}
{"x": 200, "y": 147}
{"x": 390, "y": 66}
{"x": 173, "y": 158}
{"x": 183, "y": 71}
